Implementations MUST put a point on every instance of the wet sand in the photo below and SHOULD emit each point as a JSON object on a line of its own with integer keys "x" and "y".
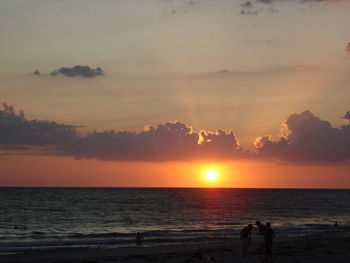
{"x": 313, "y": 250}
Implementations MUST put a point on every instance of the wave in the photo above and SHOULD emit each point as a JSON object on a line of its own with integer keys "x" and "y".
{"x": 43, "y": 240}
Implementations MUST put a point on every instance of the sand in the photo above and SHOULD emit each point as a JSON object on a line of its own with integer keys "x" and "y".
{"x": 320, "y": 250}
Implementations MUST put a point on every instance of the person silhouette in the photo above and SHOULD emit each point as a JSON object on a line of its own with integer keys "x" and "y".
{"x": 261, "y": 234}
{"x": 246, "y": 237}
{"x": 139, "y": 238}
{"x": 268, "y": 241}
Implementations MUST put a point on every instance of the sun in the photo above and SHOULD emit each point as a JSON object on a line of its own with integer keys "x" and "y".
{"x": 211, "y": 175}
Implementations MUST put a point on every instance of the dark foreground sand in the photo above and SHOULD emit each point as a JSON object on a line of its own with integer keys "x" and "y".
{"x": 320, "y": 250}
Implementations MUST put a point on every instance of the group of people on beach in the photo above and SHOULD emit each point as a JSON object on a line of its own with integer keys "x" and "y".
{"x": 266, "y": 236}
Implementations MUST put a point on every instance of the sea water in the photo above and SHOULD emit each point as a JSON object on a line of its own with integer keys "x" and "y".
{"x": 46, "y": 218}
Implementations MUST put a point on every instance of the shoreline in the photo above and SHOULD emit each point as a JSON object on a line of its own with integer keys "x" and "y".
{"x": 312, "y": 249}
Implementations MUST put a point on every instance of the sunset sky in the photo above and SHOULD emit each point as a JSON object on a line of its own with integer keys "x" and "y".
{"x": 153, "y": 93}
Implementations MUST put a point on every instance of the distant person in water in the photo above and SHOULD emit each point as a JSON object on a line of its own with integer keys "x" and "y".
{"x": 261, "y": 234}
{"x": 268, "y": 238}
{"x": 246, "y": 237}
{"x": 139, "y": 238}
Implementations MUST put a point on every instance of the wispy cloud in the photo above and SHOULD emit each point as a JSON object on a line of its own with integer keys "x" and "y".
{"x": 254, "y": 7}
{"x": 298, "y": 68}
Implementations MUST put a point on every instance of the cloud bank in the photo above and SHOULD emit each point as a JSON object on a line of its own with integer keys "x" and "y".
{"x": 15, "y": 129}
{"x": 306, "y": 138}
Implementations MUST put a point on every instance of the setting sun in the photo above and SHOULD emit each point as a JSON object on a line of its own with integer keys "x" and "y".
{"x": 211, "y": 175}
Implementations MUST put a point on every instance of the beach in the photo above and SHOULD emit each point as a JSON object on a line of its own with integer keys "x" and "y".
{"x": 178, "y": 225}
{"x": 312, "y": 249}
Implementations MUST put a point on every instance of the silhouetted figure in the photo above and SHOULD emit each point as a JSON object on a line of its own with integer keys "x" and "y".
{"x": 139, "y": 238}
{"x": 268, "y": 238}
{"x": 261, "y": 228}
{"x": 246, "y": 237}
{"x": 336, "y": 223}
{"x": 261, "y": 234}
{"x": 16, "y": 227}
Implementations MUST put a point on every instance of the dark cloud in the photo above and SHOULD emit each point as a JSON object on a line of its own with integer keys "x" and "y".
{"x": 247, "y": 4}
{"x": 309, "y": 139}
{"x": 16, "y": 130}
{"x": 254, "y": 7}
{"x": 347, "y": 116}
{"x": 249, "y": 12}
{"x": 257, "y": 6}
{"x": 78, "y": 71}
{"x": 300, "y": 1}
{"x": 36, "y": 72}
{"x": 171, "y": 141}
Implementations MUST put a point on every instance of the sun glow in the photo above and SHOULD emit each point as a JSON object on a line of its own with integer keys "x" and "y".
{"x": 211, "y": 175}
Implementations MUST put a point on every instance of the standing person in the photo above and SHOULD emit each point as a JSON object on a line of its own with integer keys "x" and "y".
{"x": 261, "y": 234}
{"x": 139, "y": 238}
{"x": 246, "y": 237}
{"x": 268, "y": 238}
{"x": 261, "y": 228}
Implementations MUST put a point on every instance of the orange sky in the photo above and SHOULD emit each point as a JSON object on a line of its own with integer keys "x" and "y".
{"x": 65, "y": 171}
{"x": 244, "y": 69}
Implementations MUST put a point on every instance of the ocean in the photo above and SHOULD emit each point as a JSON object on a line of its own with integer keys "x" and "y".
{"x": 47, "y": 218}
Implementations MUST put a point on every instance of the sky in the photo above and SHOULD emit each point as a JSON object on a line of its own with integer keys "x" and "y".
{"x": 152, "y": 93}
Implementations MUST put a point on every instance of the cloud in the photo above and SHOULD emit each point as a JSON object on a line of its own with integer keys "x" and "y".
{"x": 300, "y": 1}
{"x": 347, "y": 50}
{"x": 306, "y": 138}
{"x": 347, "y": 116}
{"x": 254, "y": 7}
{"x": 298, "y": 68}
{"x": 226, "y": 72}
{"x": 78, "y": 71}
{"x": 15, "y": 129}
{"x": 247, "y": 4}
{"x": 170, "y": 141}
{"x": 309, "y": 139}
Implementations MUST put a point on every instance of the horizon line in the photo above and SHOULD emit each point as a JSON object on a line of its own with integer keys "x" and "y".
{"x": 194, "y": 187}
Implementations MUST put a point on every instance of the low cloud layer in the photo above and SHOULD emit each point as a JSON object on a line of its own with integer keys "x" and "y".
{"x": 306, "y": 138}
{"x": 15, "y": 129}
{"x": 171, "y": 141}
